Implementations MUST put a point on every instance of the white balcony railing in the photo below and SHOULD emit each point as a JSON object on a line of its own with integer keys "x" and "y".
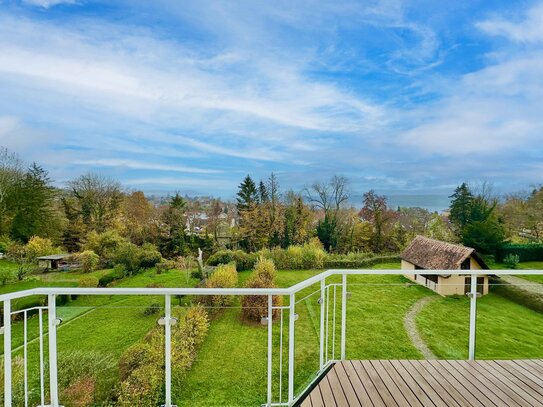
{"x": 327, "y": 291}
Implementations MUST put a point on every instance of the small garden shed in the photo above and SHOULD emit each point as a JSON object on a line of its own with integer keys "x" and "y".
{"x": 53, "y": 261}
{"x": 429, "y": 254}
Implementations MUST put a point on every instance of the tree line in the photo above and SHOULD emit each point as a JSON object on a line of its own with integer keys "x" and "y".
{"x": 263, "y": 216}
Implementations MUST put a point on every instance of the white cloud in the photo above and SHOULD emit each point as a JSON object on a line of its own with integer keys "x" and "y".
{"x": 140, "y": 165}
{"x": 528, "y": 30}
{"x": 494, "y": 111}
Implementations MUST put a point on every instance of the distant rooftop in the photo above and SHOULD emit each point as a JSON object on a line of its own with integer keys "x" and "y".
{"x": 54, "y": 257}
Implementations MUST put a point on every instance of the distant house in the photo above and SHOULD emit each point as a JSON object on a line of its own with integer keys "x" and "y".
{"x": 429, "y": 254}
{"x": 53, "y": 261}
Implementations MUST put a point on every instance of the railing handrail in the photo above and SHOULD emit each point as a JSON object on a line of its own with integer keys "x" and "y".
{"x": 250, "y": 291}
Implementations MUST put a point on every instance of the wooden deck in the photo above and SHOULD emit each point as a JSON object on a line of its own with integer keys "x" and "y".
{"x": 430, "y": 383}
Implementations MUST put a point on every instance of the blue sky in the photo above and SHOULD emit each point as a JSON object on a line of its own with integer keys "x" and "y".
{"x": 399, "y": 96}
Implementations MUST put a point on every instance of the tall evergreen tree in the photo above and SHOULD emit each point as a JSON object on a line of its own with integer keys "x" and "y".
{"x": 247, "y": 194}
{"x": 34, "y": 209}
{"x": 461, "y": 206}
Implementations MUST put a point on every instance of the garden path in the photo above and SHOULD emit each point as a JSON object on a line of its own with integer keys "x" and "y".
{"x": 411, "y": 327}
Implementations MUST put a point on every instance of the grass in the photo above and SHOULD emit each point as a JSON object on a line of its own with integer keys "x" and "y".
{"x": 104, "y": 324}
{"x": 527, "y": 265}
{"x": 375, "y": 330}
{"x": 232, "y": 360}
{"x": 505, "y": 330}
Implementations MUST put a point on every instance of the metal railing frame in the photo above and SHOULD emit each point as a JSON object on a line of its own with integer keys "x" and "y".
{"x": 168, "y": 321}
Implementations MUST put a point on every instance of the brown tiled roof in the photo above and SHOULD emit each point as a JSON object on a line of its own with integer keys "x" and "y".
{"x": 433, "y": 254}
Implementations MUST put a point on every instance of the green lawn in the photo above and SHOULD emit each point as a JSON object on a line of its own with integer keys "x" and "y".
{"x": 505, "y": 330}
{"x": 374, "y": 330}
{"x": 231, "y": 366}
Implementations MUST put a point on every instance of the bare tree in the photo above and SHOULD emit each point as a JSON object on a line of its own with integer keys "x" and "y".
{"x": 329, "y": 196}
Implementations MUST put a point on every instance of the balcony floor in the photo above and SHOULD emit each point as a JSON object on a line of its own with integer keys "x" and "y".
{"x": 430, "y": 383}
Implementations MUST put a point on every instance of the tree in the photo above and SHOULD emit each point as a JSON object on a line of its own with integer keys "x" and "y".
{"x": 461, "y": 206}
{"x": 247, "y": 195}
{"x": 96, "y": 199}
{"x": 34, "y": 212}
{"x": 329, "y": 197}
{"x": 475, "y": 218}
{"x": 136, "y": 217}
{"x": 377, "y": 213}
{"x": 11, "y": 172}
{"x": 172, "y": 235}
{"x": 297, "y": 220}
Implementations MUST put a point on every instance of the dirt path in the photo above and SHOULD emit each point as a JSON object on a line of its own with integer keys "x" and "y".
{"x": 410, "y": 324}
{"x": 523, "y": 284}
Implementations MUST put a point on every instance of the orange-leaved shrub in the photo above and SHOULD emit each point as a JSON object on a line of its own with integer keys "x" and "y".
{"x": 255, "y": 307}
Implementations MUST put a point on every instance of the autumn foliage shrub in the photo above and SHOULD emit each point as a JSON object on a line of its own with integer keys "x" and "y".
{"x": 88, "y": 282}
{"x": 255, "y": 307}
{"x": 88, "y": 260}
{"x": 224, "y": 276}
{"x": 298, "y": 257}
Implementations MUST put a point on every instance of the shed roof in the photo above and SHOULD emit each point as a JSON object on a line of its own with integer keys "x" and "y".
{"x": 431, "y": 254}
{"x": 53, "y": 257}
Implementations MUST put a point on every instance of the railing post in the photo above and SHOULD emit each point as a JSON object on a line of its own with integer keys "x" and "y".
{"x": 53, "y": 380}
{"x": 270, "y": 347}
{"x": 168, "y": 349}
{"x": 321, "y": 300}
{"x": 7, "y": 353}
{"x": 472, "y": 316}
{"x": 343, "y": 314}
{"x": 292, "y": 310}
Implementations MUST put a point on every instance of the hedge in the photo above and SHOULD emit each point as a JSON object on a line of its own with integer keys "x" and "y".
{"x": 360, "y": 264}
{"x": 517, "y": 294}
{"x": 525, "y": 252}
{"x": 141, "y": 366}
{"x": 244, "y": 261}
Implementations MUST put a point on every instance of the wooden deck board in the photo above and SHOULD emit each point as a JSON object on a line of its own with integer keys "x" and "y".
{"x": 429, "y": 383}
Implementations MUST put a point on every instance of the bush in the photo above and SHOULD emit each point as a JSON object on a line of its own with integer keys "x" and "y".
{"x": 105, "y": 245}
{"x": 341, "y": 263}
{"x": 135, "y": 258}
{"x": 149, "y": 256}
{"x": 117, "y": 273}
{"x": 152, "y": 309}
{"x": 265, "y": 270}
{"x": 255, "y": 307}
{"x": 88, "y": 260}
{"x": 511, "y": 260}
{"x": 78, "y": 373}
{"x": 88, "y": 281}
{"x": 141, "y": 366}
{"x": 298, "y": 257}
{"x": 224, "y": 276}
{"x": 5, "y": 276}
{"x": 526, "y": 252}
{"x": 38, "y": 246}
{"x": 5, "y": 243}
{"x": 244, "y": 261}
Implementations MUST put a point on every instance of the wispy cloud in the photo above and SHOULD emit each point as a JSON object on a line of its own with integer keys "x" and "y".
{"x": 139, "y": 165}
{"x": 527, "y": 29}
{"x": 392, "y": 93}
